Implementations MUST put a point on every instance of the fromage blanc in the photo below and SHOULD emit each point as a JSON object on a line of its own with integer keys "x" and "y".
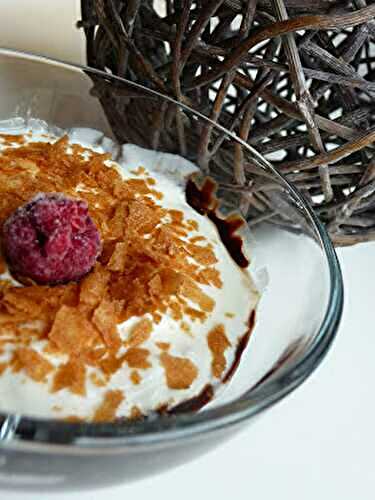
{"x": 159, "y": 322}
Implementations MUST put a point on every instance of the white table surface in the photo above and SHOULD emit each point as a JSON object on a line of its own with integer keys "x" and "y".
{"x": 317, "y": 443}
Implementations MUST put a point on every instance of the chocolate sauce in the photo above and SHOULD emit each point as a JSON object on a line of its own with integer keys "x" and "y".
{"x": 194, "y": 404}
{"x": 204, "y": 201}
{"x": 241, "y": 347}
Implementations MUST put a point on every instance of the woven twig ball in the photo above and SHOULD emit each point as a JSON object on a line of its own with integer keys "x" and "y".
{"x": 293, "y": 78}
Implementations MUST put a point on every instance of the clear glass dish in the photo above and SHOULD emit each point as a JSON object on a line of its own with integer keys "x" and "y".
{"x": 293, "y": 263}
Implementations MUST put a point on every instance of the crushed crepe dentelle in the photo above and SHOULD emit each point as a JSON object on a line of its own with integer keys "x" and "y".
{"x": 107, "y": 409}
{"x": 135, "y": 377}
{"x": 153, "y": 264}
{"x": 180, "y": 372}
{"x": 218, "y": 343}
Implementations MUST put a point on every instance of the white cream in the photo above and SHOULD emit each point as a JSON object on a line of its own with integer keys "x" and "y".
{"x": 238, "y": 296}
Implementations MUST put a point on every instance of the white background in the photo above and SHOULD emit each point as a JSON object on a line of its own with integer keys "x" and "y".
{"x": 317, "y": 443}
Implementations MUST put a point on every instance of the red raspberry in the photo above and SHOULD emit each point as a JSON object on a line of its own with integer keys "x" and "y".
{"x": 51, "y": 240}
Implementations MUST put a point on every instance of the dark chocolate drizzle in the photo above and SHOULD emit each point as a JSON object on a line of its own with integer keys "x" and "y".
{"x": 204, "y": 201}
{"x": 242, "y": 344}
{"x": 195, "y": 403}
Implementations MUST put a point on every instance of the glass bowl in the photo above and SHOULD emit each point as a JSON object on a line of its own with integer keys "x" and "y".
{"x": 292, "y": 261}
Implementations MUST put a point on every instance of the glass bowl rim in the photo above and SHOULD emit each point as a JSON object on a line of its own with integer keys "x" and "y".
{"x": 87, "y": 437}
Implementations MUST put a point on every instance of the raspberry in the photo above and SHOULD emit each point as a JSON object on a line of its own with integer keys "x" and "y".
{"x": 51, "y": 240}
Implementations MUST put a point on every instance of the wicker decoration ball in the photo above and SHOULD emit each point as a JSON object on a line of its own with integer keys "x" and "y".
{"x": 293, "y": 78}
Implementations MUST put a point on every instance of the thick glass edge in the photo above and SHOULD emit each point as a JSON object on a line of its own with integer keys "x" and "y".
{"x": 117, "y": 436}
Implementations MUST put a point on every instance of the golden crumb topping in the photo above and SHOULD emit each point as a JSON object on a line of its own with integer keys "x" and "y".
{"x": 180, "y": 372}
{"x": 35, "y": 366}
{"x": 108, "y": 407}
{"x": 218, "y": 343}
{"x": 150, "y": 265}
{"x": 135, "y": 377}
{"x": 139, "y": 333}
{"x": 136, "y": 357}
{"x": 163, "y": 346}
{"x": 72, "y": 376}
{"x": 135, "y": 413}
